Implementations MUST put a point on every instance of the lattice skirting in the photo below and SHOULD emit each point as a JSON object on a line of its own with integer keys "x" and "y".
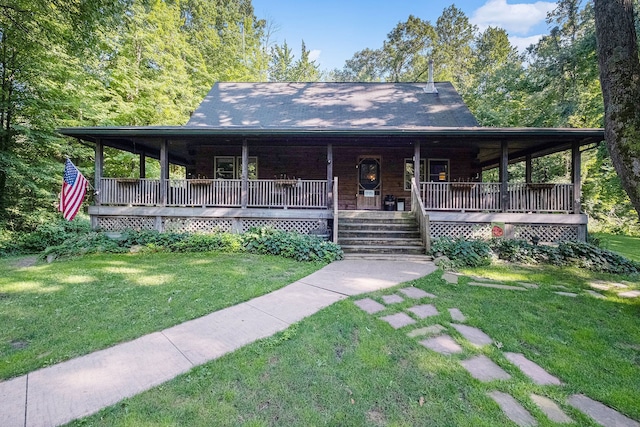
{"x": 197, "y": 225}
{"x": 460, "y": 229}
{"x": 303, "y": 226}
{"x": 118, "y": 223}
{"x": 547, "y": 233}
{"x": 209, "y": 225}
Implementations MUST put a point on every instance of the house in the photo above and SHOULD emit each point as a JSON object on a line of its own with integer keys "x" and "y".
{"x": 300, "y": 156}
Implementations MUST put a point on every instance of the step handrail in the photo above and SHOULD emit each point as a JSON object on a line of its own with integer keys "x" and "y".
{"x": 420, "y": 213}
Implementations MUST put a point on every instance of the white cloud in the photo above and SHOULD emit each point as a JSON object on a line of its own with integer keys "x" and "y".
{"x": 522, "y": 43}
{"x": 314, "y": 54}
{"x": 515, "y": 18}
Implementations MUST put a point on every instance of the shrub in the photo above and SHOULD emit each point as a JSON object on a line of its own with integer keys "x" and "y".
{"x": 476, "y": 252}
{"x": 52, "y": 233}
{"x": 463, "y": 252}
{"x": 301, "y": 247}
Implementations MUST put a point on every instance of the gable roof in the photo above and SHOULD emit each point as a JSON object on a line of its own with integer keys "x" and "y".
{"x": 331, "y": 106}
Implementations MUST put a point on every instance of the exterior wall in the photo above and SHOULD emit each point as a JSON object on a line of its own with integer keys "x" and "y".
{"x": 310, "y": 162}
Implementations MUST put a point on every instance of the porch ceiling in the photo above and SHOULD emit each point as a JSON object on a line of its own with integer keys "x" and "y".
{"x": 487, "y": 141}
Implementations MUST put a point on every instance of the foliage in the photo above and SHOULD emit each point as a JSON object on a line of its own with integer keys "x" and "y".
{"x": 300, "y": 247}
{"x": 283, "y": 66}
{"x": 477, "y": 252}
{"x": 53, "y": 231}
{"x": 462, "y": 252}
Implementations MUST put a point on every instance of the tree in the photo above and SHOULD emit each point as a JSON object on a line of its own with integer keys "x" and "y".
{"x": 406, "y": 51}
{"x": 43, "y": 44}
{"x": 283, "y": 66}
{"x": 453, "y": 53}
{"x": 620, "y": 82}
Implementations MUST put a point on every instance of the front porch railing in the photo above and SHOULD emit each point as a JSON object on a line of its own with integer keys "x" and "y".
{"x": 213, "y": 192}
{"x": 485, "y": 197}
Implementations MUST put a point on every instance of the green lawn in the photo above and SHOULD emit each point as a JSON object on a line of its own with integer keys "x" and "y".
{"x": 54, "y": 312}
{"x": 345, "y": 367}
{"x": 624, "y": 245}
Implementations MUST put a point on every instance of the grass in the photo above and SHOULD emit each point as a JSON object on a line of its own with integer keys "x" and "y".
{"x": 54, "y": 312}
{"x": 624, "y": 245}
{"x": 345, "y": 367}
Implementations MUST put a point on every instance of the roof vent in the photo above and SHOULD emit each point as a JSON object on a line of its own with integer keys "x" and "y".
{"x": 430, "y": 87}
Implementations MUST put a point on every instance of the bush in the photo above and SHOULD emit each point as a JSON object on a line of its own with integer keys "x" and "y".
{"x": 462, "y": 252}
{"x": 301, "y": 247}
{"x": 476, "y": 252}
{"x": 53, "y": 232}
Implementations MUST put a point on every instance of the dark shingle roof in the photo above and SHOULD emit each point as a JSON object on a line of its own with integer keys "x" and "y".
{"x": 331, "y": 106}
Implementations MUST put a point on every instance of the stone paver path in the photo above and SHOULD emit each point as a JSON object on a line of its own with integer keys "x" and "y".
{"x": 484, "y": 369}
{"x": 450, "y": 278}
{"x": 532, "y": 370}
{"x": 497, "y": 286}
{"x": 457, "y": 315}
{"x": 550, "y": 409}
{"x": 474, "y": 335}
{"x": 427, "y": 330}
{"x": 442, "y": 344}
{"x": 369, "y": 305}
{"x": 602, "y": 414}
{"x": 425, "y": 310}
{"x": 512, "y": 409}
{"x": 567, "y": 294}
{"x": 629, "y": 294}
{"x": 392, "y": 299}
{"x": 416, "y": 293}
{"x": 398, "y": 320}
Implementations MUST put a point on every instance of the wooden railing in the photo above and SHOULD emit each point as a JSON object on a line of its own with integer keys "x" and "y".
{"x": 214, "y": 192}
{"x": 420, "y": 213}
{"x": 485, "y": 197}
{"x": 287, "y": 193}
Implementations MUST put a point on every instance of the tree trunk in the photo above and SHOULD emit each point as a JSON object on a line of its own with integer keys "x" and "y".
{"x": 620, "y": 81}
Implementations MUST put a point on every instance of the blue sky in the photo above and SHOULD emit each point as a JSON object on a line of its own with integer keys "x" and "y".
{"x": 335, "y": 29}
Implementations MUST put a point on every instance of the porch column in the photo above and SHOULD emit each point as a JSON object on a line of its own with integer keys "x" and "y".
{"x": 143, "y": 166}
{"x": 576, "y": 178}
{"x": 164, "y": 171}
{"x": 504, "y": 176}
{"x": 416, "y": 163}
{"x": 528, "y": 170}
{"x": 330, "y": 200}
{"x": 99, "y": 167}
{"x": 244, "y": 194}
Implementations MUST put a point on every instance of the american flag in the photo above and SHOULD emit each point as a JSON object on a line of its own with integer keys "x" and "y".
{"x": 74, "y": 187}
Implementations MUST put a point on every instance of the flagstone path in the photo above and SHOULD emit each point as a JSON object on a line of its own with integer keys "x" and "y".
{"x": 437, "y": 338}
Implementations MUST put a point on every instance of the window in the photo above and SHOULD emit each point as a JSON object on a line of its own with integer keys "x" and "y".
{"x": 408, "y": 172}
{"x": 230, "y": 167}
{"x": 438, "y": 170}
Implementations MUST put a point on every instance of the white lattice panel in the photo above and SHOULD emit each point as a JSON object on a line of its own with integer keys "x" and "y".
{"x": 126, "y": 223}
{"x": 301, "y": 226}
{"x": 197, "y": 225}
{"x": 460, "y": 229}
{"x": 546, "y": 233}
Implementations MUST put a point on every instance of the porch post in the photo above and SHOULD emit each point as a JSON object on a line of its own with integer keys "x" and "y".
{"x": 330, "y": 199}
{"x": 164, "y": 171}
{"x": 99, "y": 167}
{"x": 504, "y": 176}
{"x": 576, "y": 179}
{"x": 416, "y": 163}
{"x": 244, "y": 195}
{"x": 143, "y": 166}
{"x": 528, "y": 169}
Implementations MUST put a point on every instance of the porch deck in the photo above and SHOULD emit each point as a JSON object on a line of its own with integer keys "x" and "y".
{"x": 544, "y": 211}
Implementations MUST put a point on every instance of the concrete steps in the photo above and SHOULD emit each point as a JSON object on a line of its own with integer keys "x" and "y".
{"x": 375, "y": 233}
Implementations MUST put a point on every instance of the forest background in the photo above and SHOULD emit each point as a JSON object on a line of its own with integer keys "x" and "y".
{"x": 67, "y": 63}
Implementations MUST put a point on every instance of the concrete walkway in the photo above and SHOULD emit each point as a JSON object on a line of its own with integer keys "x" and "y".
{"x": 61, "y": 393}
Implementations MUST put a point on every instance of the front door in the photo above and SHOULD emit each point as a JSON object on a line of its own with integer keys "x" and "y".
{"x": 369, "y": 183}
